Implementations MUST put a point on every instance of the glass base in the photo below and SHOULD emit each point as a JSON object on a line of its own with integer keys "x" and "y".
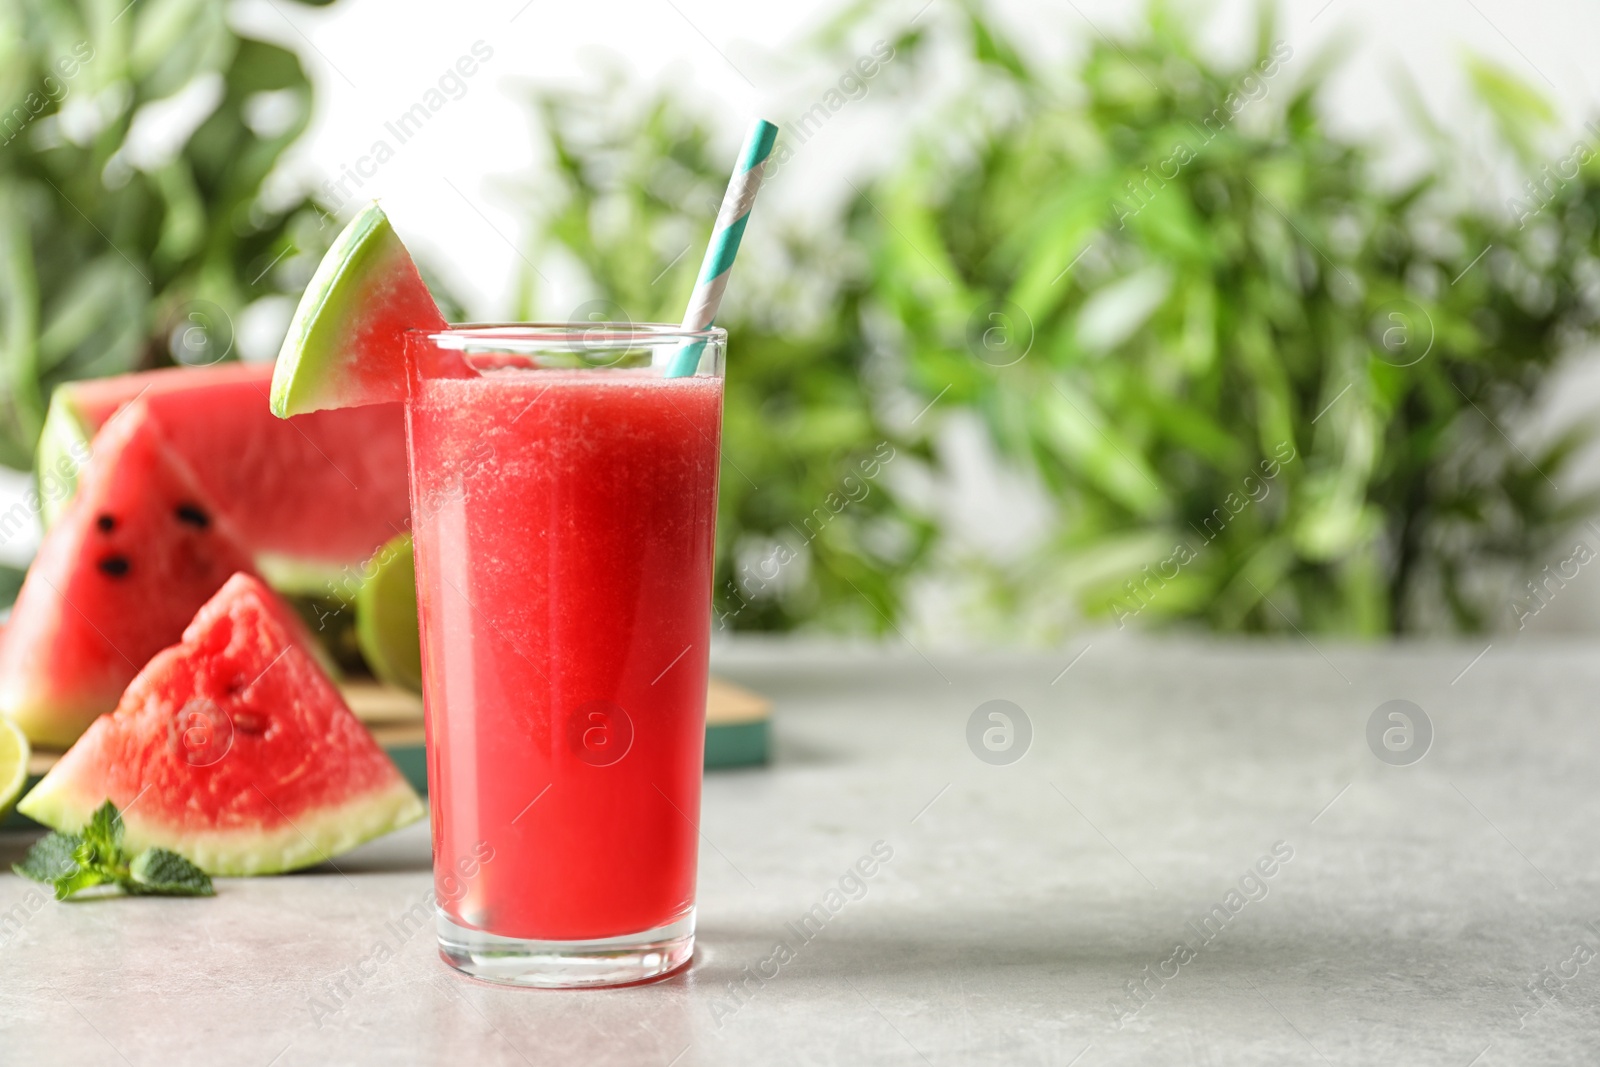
{"x": 606, "y": 961}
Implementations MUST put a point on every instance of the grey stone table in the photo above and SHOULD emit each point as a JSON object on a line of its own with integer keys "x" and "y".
{"x": 1199, "y": 859}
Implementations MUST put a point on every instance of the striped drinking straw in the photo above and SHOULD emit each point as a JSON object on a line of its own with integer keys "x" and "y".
{"x": 735, "y": 212}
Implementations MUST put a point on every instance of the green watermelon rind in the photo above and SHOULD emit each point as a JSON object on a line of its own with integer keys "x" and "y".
{"x": 311, "y": 372}
{"x": 62, "y": 441}
{"x": 298, "y": 577}
{"x": 309, "y": 839}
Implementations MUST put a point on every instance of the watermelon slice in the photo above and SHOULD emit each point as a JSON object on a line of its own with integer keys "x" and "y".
{"x": 306, "y": 496}
{"x": 233, "y": 749}
{"x": 138, "y": 550}
{"x": 346, "y": 342}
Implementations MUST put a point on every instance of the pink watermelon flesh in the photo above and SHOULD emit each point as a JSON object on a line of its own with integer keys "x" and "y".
{"x": 323, "y": 489}
{"x": 117, "y": 578}
{"x": 234, "y": 749}
{"x": 389, "y": 301}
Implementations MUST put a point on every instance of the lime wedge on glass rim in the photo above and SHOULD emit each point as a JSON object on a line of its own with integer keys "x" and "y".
{"x": 13, "y": 764}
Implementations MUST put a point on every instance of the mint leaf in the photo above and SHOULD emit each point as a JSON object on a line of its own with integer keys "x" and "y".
{"x": 159, "y": 871}
{"x": 80, "y": 879}
{"x": 104, "y": 831}
{"x": 92, "y": 855}
{"x": 75, "y": 862}
{"x": 50, "y": 858}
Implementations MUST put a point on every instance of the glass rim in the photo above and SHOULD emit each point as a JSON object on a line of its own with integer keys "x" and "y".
{"x": 513, "y": 336}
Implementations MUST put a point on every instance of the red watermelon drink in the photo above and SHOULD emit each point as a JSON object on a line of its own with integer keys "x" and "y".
{"x": 564, "y": 509}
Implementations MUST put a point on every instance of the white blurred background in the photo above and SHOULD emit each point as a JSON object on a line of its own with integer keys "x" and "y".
{"x": 371, "y": 59}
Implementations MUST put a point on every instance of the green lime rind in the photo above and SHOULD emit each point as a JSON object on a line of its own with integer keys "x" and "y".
{"x": 316, "y": 366}
{"x": 386, "y": 616}
{"x": 13, "y": 764}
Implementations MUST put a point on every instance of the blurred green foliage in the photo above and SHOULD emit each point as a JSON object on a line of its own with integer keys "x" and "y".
{"x": 1262, "y": 389}
{"x": 135, "y": 139}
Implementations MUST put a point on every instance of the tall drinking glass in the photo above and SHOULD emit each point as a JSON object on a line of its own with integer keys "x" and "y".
{"x": 563, "y": 494}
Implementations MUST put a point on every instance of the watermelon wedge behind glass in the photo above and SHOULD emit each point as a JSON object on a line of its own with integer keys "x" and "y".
{"x": 306, "y": 496}
{"x": 119, "y": 575}
{"x": 233, "y": 748}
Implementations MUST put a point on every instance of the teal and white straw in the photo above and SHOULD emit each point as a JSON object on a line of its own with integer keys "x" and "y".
{"x": 725, "y": 237}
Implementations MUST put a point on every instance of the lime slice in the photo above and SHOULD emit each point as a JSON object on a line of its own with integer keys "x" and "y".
{"x": 386, "y": 616}
{"x": 13, "y": 763}
{"x": 346, "y": 343}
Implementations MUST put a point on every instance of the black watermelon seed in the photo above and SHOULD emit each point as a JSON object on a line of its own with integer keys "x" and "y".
{"x": 115, "y": 566}
{"x": 107, "y": 523}
{"x": 250, "y": 723}
{"x": 192, "y": 515}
